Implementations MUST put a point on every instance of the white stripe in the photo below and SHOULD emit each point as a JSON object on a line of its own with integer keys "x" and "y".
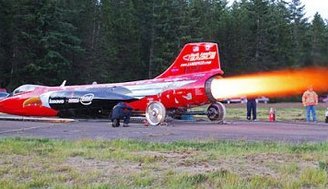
{"x": 140, "y": 91}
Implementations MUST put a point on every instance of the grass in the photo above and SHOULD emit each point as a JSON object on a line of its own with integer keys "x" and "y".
{"x": 284, "y": 111}
{"x": 44, "y": 163}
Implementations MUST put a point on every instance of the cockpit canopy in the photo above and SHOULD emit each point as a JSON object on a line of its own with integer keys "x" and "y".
{"x": 24, "y": 88}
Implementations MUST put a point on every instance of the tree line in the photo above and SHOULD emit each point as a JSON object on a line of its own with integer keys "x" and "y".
{"x": 48, "y": 41}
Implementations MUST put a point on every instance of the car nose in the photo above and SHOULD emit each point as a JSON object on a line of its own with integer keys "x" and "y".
{"x": 2, "y": 105}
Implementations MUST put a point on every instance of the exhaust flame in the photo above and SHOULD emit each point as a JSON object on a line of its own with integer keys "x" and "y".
{"x": 271, "y": 84}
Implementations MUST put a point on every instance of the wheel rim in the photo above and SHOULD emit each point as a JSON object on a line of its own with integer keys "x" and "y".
{"x": 212, "y": 113}
{"x": 216, "y": 112}
{"x": 155, "y": 113}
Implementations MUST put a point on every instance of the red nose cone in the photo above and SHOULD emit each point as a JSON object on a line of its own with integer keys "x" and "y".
{"x": 0, "y": 106}
{"x": 8, "y": 105}
{"x": 15, "y": 106}
{"x": 2, "y": 109}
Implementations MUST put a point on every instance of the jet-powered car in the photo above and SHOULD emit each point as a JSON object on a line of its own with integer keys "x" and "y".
{"x": 185, "y": 84}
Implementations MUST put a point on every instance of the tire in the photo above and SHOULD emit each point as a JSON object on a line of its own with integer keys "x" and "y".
{"x": 155, "y": 113}
{"x": 216, "y": 112}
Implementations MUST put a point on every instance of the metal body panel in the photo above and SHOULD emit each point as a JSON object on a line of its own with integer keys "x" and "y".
{"x": 182, "y": 85}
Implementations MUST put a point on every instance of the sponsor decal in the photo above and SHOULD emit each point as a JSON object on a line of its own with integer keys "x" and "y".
{"x": 56, "y": 101}
{"x": 175, "y": 69}
{"x": 196, "y": 63}
{"x": 87, "y": 99}
{"x": 207, "y": 47}
{"x": 199, "y": 56}
{"x": 73, "y": 100}
{"x": 195, "y": 49}
{"x": 188, "y": 96}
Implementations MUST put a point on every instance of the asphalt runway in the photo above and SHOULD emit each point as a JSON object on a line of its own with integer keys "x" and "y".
{"x": 175, "y": 131}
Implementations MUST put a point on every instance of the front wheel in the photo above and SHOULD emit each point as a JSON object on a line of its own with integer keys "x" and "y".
{"x": 155, "y": 113}
{"x": 216, "y": 112}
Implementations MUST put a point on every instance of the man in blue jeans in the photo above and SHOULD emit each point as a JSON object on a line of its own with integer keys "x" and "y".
{"x": 121, "y": 111}
{"x": 251, "y": 108}
{"x": 310, "y": 100}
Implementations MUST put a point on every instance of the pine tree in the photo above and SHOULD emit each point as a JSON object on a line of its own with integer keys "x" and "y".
{"x": 168, "y": 33}
{"x": 91, "y": 66}
{"x": 278, "y": 37}
{"x": 82, "y": 41}
{"x": 6, "y": 40}
{"x": 318, "y": 46}
{"x": 299, "y": 26}
{"x": 123, "y": 35}
{"x": 236, "y": 53}
{"x": 44, "y": 43}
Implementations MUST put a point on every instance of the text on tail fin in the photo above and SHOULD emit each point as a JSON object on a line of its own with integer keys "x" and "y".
{"x": 193, "y": 58}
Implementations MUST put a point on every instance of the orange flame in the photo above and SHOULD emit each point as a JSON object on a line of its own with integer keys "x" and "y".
{"x": 271, "y": 84}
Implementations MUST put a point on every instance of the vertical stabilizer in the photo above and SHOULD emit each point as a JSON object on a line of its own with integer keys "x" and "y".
{"x": 194, "y": 58}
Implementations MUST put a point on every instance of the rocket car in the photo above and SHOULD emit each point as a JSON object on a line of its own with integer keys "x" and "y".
{"x": 184, "y": 85}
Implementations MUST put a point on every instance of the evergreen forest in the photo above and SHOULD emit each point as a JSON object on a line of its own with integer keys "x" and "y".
{"x": 81, "y": 41}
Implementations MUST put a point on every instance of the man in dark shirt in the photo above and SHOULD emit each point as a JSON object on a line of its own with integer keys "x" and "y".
{"x": 121, "y": 111}
{"x": 251, "y": 108}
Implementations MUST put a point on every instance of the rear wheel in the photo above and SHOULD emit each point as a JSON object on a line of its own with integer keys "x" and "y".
{"x": 155, "y": 113}
{"x": 216, "y": 112}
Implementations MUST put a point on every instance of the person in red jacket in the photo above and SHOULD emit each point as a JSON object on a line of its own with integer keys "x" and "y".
{"x": 310, "y": 100}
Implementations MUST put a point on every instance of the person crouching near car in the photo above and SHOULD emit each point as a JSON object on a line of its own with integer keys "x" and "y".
{"x": 310, "y": 100}
{"x": 121, "y": 111}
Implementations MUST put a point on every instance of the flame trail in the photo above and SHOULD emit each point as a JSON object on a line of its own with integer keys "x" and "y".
{"x": 271, "y": 84}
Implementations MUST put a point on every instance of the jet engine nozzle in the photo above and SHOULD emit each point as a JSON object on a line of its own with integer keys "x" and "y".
{"x": 209, "y": 88}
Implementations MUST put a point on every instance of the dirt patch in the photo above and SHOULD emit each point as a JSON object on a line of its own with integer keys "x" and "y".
{"x": 106, "y": 168}
{"x": 266, "y": 164}
{"x": 246, "y": 166}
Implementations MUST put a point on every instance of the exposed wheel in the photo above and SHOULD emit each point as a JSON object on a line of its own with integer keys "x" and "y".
{"x": 155, "y": 113}
{"x": 216, "y": 112}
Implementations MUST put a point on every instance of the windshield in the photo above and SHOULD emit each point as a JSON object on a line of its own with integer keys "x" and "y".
{"x": 24, "y": 88}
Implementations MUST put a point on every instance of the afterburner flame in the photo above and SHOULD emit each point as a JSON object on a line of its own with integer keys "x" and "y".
{"x": 271, "y": 84}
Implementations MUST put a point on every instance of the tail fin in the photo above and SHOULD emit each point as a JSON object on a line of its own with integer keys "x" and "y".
{"x": 193, "y": 58}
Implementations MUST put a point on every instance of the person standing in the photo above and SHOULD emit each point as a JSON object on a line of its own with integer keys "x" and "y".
{"x": 310, "y": 100}
{"x": 251, "y": 108}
